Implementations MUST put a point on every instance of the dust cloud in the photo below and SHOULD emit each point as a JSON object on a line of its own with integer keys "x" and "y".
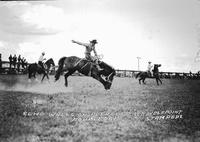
{"x": 33, "y": 86}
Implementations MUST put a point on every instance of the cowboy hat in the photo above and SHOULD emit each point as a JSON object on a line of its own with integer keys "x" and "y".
{"x": 93, "y": 41}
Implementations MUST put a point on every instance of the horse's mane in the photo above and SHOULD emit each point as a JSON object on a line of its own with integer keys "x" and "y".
{"x": 103, "y": 64}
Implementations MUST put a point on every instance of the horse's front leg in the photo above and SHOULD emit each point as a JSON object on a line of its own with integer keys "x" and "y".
{"x": 29, "y": 75}
{"x": 143, "y": 81}
{"x": 140, "y": 81}
{"x": 106, "y": 84}
{"x": 160, "y": 80}
{"x": 157, "y": 81}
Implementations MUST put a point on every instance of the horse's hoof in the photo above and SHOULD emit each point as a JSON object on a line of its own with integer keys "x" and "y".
{"x": 29, "y": 80}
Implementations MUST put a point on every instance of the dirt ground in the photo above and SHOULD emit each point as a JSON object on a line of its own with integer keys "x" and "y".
{"x": 85, "y": 112}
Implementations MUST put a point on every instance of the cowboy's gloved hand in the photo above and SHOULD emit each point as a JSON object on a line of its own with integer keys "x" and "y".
{"x": 96, "y": 57}
{"x": 73, "y": 41}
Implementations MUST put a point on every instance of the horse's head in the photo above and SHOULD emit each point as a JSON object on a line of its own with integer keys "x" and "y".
{"x": 155, "y": 69}
{"x": 157, "y": 65}
{"x": 108, "y": 71}
{"x": 50, "y": 62}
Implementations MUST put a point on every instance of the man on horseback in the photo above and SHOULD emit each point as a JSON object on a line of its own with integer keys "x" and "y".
{"x": 149, "y": 69}
{"x": 89, "y": 48}
{"x": 41, "y": 59}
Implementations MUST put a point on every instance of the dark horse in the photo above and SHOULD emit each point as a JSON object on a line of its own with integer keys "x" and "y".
{"x": 35, "y": 68}
{"x": 88, "y": 68}
{"x": 143, "y": 75}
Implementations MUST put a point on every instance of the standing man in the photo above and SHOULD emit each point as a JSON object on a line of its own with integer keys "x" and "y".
{"x": 89, "y": 48}
{"x": 18, "y": 63}
{"x": 0, "y": 63}
{"x": 41, "y": 59}
{"x": 10, "y": 60}
{"x": 149, "y": 69}
{"x": 14, "y": 60}
{"x": 23, "y": 62}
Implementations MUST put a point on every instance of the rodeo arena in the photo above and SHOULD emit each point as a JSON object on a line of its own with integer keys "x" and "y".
{"x": 19, "y": 66}
{"x": 110, "y": 105}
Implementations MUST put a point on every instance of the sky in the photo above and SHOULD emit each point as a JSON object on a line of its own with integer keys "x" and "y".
{"x": 161, "y": 31}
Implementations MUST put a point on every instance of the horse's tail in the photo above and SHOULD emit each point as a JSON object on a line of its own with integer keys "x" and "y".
{"x": 60, "y": 68}
{"x": 137, "y": 75}
{"x": 30, "y": 69}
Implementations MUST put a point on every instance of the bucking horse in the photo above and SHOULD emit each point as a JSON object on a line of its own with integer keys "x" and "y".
{"x": 87, "y": 68}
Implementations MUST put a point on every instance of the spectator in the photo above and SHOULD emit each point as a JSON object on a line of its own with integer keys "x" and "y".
{"x": 10, "y": 60}
{"x": 23, "y": 63}
{"x": 0, "y": 61}
{"x": 14, "y": 60}
{"x": 19, "y": 62}
{"x": 0, "y": 64}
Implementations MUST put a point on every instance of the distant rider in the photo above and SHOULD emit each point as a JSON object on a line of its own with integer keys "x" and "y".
{"x": 41, "y": 59}
{"x": 149, "y": 69}
{"x": 89, "y": 48}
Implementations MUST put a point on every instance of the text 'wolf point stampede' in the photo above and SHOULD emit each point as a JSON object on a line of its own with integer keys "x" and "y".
{"x": 149, "y": 116}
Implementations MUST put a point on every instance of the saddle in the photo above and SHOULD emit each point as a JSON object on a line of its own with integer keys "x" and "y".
{"x": 90, "y": 61}
{"x": 39, "y": 66}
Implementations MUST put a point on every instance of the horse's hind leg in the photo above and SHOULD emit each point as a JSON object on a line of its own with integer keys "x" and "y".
{"x": 70, "y": 72}
{"x": 29, "y": 77}
{"x": 143, "y": 81}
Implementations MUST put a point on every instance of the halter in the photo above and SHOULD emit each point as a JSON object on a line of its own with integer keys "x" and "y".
{"x": 109, "y": 76}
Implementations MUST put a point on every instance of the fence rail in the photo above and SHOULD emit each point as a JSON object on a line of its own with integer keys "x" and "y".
{"x": 19, "y": 68}
{"x": 170, "y": 75}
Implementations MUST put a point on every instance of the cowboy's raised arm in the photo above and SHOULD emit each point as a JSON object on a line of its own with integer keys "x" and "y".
{"x": 80, "y": 43}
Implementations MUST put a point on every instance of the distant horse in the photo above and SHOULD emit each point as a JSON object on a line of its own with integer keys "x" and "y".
{"x": 143, "y": 75}
{"x": 88, "y": 68}
{"x": 36, "y": 68}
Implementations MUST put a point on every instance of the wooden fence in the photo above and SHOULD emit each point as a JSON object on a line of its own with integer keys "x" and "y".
{"x": 170, "y": 75}
{"x": 6, "y": 68}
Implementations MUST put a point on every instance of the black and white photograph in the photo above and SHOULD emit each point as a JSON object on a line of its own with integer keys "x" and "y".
{"x": 100, "y": 71}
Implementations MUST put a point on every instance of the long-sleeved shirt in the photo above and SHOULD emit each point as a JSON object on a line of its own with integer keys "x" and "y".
{"x": 89, "y": 47}
{"x": 149, "y": 67}
{"x": 41, "y": 58}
